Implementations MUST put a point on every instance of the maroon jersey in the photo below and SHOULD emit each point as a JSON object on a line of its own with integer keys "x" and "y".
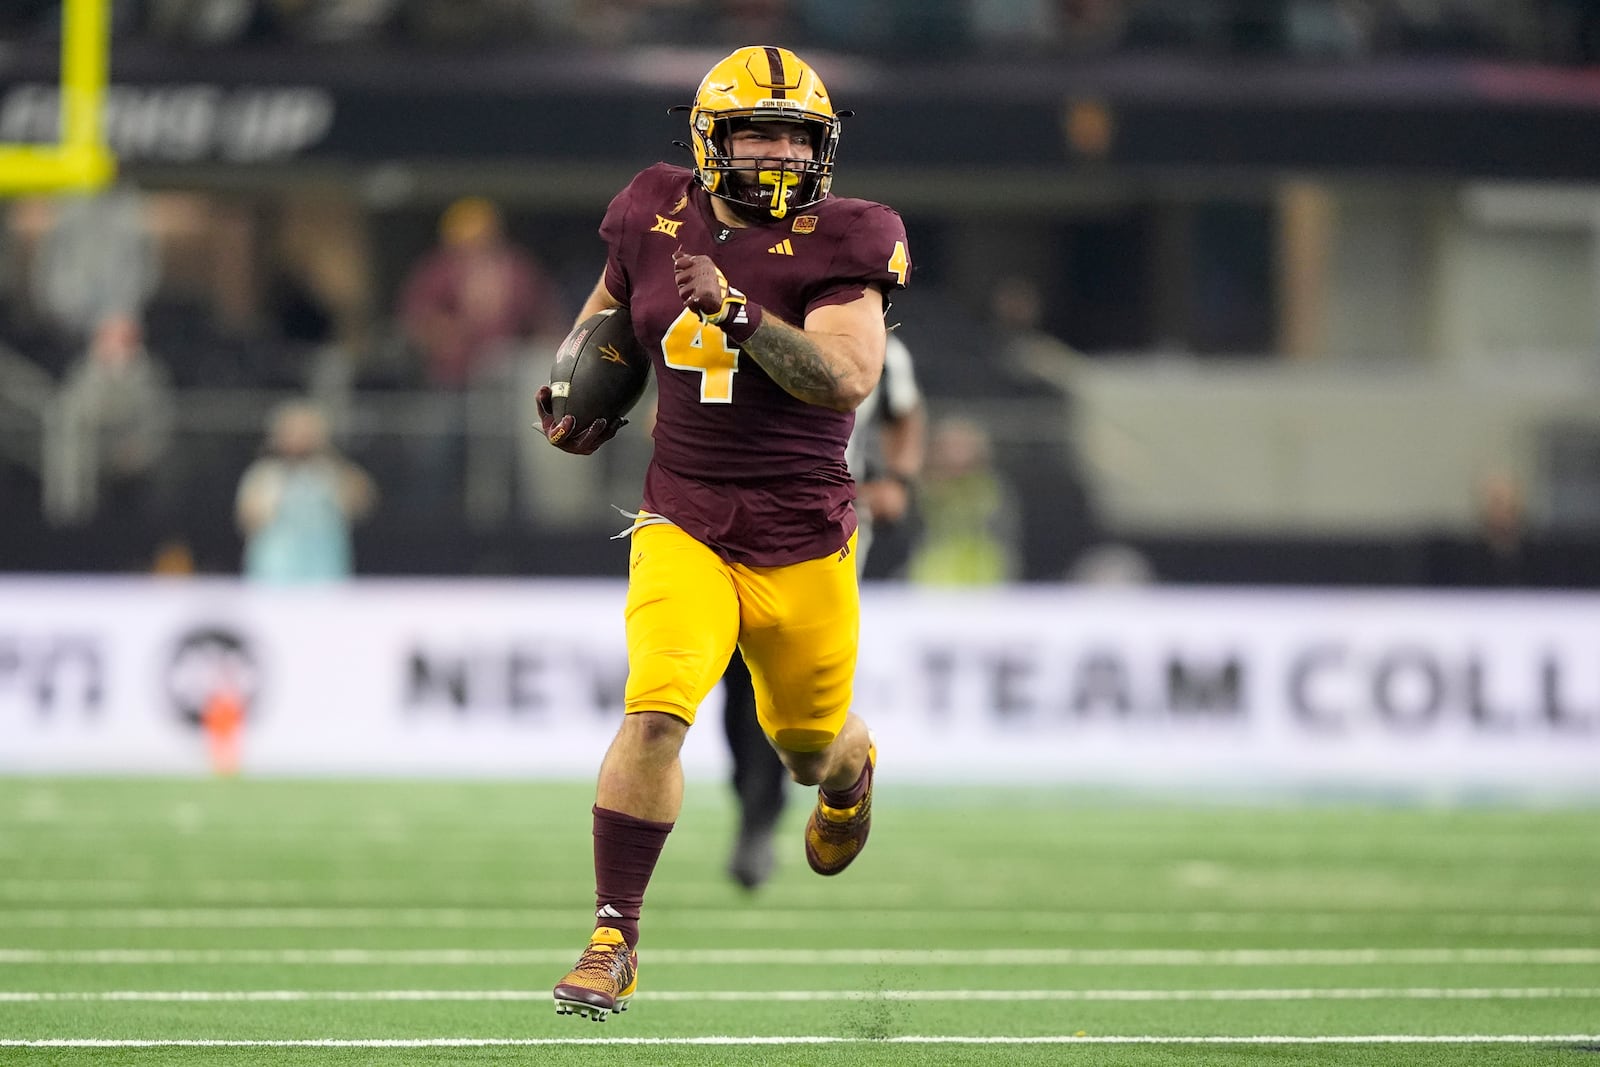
{"x": 739, "y": 464}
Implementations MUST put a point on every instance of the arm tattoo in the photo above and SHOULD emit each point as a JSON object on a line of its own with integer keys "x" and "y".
{"x": 795, "y": 362}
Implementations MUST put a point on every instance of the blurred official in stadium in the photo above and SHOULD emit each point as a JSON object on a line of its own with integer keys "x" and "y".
{"x": 762, "y": 298}
{"x": 892, "y": 419}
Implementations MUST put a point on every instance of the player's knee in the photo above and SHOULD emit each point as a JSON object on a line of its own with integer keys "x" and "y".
{"x": 805, "y": 753}
{"x": 655, "y": 729}
{"x": 805, "y": 767}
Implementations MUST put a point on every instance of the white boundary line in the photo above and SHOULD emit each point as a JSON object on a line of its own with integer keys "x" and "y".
{"x": 1117, "y": 1039}
{"x": 286, "y": 892}
{"x": 999, "y": 957}
{"x": 809, "y": 995}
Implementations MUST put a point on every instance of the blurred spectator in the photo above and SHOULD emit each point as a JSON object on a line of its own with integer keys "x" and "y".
{"x": 114, "y": 435}
{"x": 1499, "y": 552}
{"x": 465, "y": 300}
{"x": 296, "y": 505}
{"x": 969, "y": 513}
{"x": 99, "y": 259}
{"x": 467, "y": 305}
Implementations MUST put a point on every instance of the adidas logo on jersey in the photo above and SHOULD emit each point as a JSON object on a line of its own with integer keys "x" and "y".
{"x": 782, "y": 248}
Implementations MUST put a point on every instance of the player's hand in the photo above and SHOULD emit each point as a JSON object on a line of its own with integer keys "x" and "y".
{"x": 559, "y": 431}
{"x": 704, "y": 289}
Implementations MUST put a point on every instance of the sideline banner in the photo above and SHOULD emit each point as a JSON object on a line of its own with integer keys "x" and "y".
{"x": 1185, "y": 687}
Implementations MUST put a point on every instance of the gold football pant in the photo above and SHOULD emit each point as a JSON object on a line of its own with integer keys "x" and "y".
{"x": 798, "y": 627}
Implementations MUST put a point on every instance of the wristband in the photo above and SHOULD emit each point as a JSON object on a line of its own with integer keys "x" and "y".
{"x": 738, "y": 318}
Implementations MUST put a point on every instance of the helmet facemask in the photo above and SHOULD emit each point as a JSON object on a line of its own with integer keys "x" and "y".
{"x": 766, "y": 188}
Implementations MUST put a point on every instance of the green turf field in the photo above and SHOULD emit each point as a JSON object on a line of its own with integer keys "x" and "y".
{"x": 288, "y": 923}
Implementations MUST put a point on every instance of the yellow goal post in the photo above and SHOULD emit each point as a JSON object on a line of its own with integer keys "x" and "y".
{"x": 80, "y": 160}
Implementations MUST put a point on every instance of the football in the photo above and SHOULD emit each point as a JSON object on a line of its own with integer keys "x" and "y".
{"x": 600, "y": 370}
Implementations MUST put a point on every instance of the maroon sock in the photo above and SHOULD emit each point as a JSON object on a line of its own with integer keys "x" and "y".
{"x": 625, "y": 854}
{"x": 852, "y": 796}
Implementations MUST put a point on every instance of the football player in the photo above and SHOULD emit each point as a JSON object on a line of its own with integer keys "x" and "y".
{"x": 762, "y": 299}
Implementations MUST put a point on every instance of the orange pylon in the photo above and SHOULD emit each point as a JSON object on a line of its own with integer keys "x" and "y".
{"x": 222, "y": 718}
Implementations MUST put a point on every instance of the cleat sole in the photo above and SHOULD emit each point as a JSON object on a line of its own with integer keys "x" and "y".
{"x": 591, "y": 1012}
{"x": 588, "y": 1011}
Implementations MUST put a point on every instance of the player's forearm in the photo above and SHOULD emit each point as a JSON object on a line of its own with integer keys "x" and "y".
{"x": 818, "y": 370}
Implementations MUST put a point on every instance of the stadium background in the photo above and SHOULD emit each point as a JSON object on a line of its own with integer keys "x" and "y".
{"x": 1320, "y": 266}
{"x": 1316, "y": 279}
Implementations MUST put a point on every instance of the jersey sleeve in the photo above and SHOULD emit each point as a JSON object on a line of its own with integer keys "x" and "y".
{"x": 874, "y": 253}
{"x": 615, "y": 232}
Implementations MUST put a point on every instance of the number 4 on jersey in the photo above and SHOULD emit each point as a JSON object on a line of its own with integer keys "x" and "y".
{"x": 899, "y": 262}
{"x": 692, "y": 344}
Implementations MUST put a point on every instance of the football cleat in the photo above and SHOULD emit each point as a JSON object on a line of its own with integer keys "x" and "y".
{"x": 836, "y": 836}
{"x": 604, "y": 979}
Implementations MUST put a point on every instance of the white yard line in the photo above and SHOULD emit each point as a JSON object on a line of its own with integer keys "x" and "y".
{"x": 251, "y": 918}
{"x": 1384, "y": 897}
{"x": 1108, "y": 1039}
{"x": 807, "y": 995}
{"x": 998, "y": 957}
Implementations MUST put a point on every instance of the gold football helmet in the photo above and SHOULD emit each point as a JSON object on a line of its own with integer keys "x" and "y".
{"x": 763, "y": 84}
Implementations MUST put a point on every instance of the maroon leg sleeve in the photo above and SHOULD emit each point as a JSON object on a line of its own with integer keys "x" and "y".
{"x": 625, "y": 854}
